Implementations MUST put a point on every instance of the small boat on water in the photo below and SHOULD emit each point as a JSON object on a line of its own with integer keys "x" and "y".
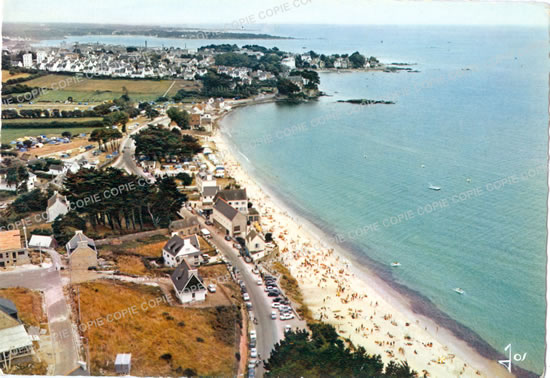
{"x": 395, "y": 264}
{"x": 433, "y": 187}
{"x": 459, "y": 291}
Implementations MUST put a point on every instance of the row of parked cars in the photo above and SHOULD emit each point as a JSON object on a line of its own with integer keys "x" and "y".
{"x": 279, "y": 302}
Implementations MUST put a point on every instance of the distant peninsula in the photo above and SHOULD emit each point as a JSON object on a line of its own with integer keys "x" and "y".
{"x": 364, "y": 101}
{"x": 35, "y": 31}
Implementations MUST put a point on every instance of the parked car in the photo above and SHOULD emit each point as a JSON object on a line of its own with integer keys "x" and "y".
{"x": 259, "y": 282}
{"x": 246, "y": 297}
{"x": 227, "y": 237}
{"x": 248, "y": 305}
{"x": 253, "y": 353}
{"x": 288, "y": 327}
{"x": 272, "y": 294}
{"x": 273, "y": 315}
{"x": 275, "y": 305}
{"x": 236, "y": 246}
{"x": 252, "y": 364}
{"x": 212, "y": 288}
{"x": 277, "y": 299}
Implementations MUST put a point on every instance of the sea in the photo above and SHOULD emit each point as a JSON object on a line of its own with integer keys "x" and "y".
{"x": 473, "y": 122}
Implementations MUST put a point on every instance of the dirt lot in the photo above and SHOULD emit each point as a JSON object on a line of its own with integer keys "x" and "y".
{"x": 163, "y": 340}
{"x": 71, "y": 148}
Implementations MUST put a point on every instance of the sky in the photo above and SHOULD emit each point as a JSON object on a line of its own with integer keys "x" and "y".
{"x": 247, "y": 13}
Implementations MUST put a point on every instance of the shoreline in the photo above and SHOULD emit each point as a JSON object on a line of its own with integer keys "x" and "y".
{"x": 390, "y": 297}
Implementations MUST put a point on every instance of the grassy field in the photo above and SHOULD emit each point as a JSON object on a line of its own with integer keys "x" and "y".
{"x": 28, "y": 303}
{"x": 7, "y": 135}
{"x": 163, "y": 340}
{"x": 83, "y": 89}
{"x": 6, "y": 75}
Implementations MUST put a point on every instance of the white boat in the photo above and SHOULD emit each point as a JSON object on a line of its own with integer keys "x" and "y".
{"x": 459, "y": 291}
{"x": 433, "y": 187}
{"x": 395, "y": 264}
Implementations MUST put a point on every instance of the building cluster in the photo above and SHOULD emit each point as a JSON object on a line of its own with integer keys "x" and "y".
{"x": 117, "y": 61}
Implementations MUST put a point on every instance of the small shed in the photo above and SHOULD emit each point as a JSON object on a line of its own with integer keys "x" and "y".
{"x": 123, "y": 363}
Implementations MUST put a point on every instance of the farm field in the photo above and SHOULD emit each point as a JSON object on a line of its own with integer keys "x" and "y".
{"x": 93, "y": 90}
{"x": 7, "y": 76}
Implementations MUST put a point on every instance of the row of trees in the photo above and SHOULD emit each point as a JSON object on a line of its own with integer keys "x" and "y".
{"x": 110, "y": 198}
{"x": 44, "y": 113}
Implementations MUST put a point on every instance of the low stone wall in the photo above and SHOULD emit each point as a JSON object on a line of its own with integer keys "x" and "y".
{"x": 130, "y": 237}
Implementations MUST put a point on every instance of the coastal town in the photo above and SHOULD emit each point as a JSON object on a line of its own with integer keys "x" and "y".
{"x": 133, "y": 242}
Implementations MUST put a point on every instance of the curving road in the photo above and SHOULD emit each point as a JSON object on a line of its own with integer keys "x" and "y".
{"x": 126, "y": 160}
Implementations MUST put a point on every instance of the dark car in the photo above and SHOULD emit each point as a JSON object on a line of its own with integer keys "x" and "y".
{"x": 227, "y": 237}
{"x": 272, "y": 294}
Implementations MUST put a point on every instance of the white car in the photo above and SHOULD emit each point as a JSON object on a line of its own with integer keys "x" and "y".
{"x": 212, "y": 288}
{"x": 253, "y": 353}
{"x": 287, "y": 328}
{"x": 253, "y": 334}
{"x": 276, "y": 305}
{"x": 273, "y": 315}
{"x": 252, "y": 364}
{"x": 259, "y": 282}
{"x": 286, "y": 316}
{"x": 246, "y": 297}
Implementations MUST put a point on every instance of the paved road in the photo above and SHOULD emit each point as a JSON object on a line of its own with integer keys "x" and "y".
{"x": 125, "y": 159}
{"x": 48, "y": 280}
{"x": 268, "y": 331}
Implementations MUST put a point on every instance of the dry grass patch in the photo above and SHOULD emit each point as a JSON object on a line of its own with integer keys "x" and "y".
{"x": 163, "y": 340}
{"x": 29, "y": 304}
{"x": 131, "y": 265}
{"x": 149, "y": 247}
{"x": 7, "y": 76}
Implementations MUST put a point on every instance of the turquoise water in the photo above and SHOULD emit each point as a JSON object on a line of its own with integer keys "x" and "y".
{"x": 473, "y": 121}
{"x": 362, "y": 174}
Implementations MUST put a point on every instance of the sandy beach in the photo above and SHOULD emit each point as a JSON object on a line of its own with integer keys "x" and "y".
{"x": 360, "y": 305}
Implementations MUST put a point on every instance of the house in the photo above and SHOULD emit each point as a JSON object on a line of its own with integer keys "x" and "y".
{"x": 57, "y": 205}
{"x": 12, "y": 253}
{"x": 72, "y": 166}
{"x": 15, "y": 342}
{"x": 229, "y": 218}
{"x": 203, "y": 180}
{"x": 236, "y": 198}
{"x": 186, "y": 226}
{"x": 255, "y": 242}
{"x": 188, "y": 284}
{"x": 123, "y": 363}
{"x": 81, "y": 251}
{"x": 253, "y": 215}
{"x": 206, "y": 122}
{"x": 31, "y": 181}
{"x": 195, "y": 120}
{"x": 42, "y": 241}
{"x": 56, "y": 169}
{"x": 178, "y": 249}
{"x": 208, "y": 195}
